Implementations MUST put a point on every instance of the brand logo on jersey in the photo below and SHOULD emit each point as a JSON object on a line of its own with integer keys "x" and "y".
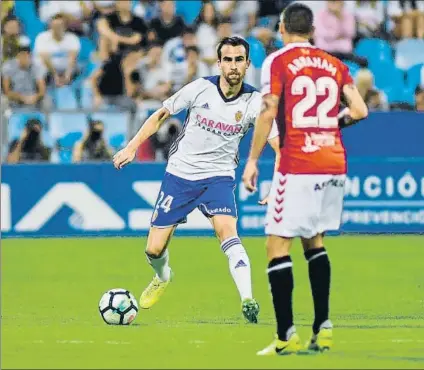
{"x": 315, "y": 141}
{"x": 239, "y": 116}
{"x": 218, "y": 127}
{"x": 205, "y": 106}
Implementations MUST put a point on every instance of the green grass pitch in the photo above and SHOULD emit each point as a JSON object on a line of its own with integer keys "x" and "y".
{"x": 51, "y": 288}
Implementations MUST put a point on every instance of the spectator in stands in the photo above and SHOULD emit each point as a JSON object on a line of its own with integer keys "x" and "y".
{"x": 56, "y": 50}
{"x": 167, "y": 25}
{"x": 174, "y": 57}
{"x": 242, "y": 14}
{"x": 335, "y": 30}
{"x": 224, "y": 29}
{"x": 195, "y": 67}
{"x": 268, "y": 20}
{"x": 6, "y": 9}
{"x": 107, "y": 83}
{"x": 147, "y": 9}
{"x": 206, "y": 25}
{"x": 93, "y": 146}
{"x": 12, "y": 38}
{"x": 76, "y": 13}
{"x": 29, "y": 147}
{"x": 374, "y": 98}
{"x": 121, "y": 32}
{"x": 369, "y": 15}
{"x": 407, "y": 17}
{"x": 149, "y": 79}
{"x": 23, "y": 83}
{"x": 103, "y": 8}
{"x": 419, "y": 99}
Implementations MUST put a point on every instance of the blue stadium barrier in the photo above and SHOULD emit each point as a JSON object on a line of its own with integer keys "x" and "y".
{"x": 96, "y": 200}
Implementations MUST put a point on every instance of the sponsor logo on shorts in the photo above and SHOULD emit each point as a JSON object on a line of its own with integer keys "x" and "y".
{"x": 333, "y": 182}
{"x": 219, "y": 210}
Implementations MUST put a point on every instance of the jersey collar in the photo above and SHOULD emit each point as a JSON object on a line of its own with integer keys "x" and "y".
{"x": 245, "y": 89}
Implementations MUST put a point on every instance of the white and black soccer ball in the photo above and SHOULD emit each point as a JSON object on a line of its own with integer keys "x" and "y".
{"x": 118, "y": 307}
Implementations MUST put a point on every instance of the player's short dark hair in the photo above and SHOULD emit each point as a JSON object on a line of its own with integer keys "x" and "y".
{"x": 298, "y": 19}
{"x": 233, "y": 41}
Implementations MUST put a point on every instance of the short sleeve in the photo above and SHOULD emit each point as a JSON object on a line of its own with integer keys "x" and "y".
{"x": 7, "y": 70}
{"x": 271, "y": 76}
{"x": 184, "y": 98}
{"x": 346, "y": 76}
{"x": 73, "y": 43}
{"x": 41, "y": 45}
{"x": 40, "y": 73}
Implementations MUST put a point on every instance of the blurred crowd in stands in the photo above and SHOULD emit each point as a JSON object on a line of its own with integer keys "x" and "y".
{"x": 125, "y": 57}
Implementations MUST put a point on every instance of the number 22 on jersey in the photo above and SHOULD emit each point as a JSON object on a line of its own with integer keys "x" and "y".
{"x": 304, "y": 85}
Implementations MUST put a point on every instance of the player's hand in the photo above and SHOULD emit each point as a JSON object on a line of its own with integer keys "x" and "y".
{"x": 264, "y": 201}
{"x": 123, "y": 157}
{"x": 250, "y": 176}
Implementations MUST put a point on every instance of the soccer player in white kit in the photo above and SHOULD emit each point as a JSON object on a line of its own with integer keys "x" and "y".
{"x": 201, "y": 167}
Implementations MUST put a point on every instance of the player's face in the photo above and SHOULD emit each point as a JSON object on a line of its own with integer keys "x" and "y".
{"x": 233, "y": 64}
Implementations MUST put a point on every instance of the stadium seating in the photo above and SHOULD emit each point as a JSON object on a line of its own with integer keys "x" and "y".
{"x": 66, "y": 129}
{"x": 257, "y": 52}
{"x": 65, "y": 98}
{"x": 409, "y": 52}
{"x": 375, "y": 50}
{"x": 413, "y": 75}
{"x": 386, "y": 75}
{"x": 26, "y": 12}
{"x": 188, "y": 9}
{"x": 401, "y": 94}
{"x": 353, "y": 67}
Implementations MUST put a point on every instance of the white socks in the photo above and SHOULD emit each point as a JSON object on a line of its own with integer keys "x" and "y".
{"x": 239, "y": 265}
{"x": 160, "y": 265}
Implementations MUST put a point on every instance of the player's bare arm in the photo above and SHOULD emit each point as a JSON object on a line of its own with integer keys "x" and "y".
{"x": 275, "y": 144}
{"x": 357, "y": 109}
{"x": 151, "y": 126}
{"x": 262, "y": 129}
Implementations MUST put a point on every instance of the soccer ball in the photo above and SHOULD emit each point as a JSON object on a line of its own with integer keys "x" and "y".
{"x": 118, "y": 307}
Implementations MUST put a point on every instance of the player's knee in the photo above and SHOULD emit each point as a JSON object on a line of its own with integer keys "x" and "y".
{"x": 225, "y": 229}
{"x": 154, "y": 250}
{"x": 277, "y": 247}
{"x": 313, "y": 243}
{"x": 157, "y": 242}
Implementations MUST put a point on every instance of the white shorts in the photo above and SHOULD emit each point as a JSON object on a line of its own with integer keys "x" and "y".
{"x": 304, "y": 205}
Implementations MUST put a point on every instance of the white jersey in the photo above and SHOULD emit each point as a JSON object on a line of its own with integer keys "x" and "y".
{"x": 209, "y": 141}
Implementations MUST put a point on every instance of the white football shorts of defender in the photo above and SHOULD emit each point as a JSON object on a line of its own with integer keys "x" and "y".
{"x": 304, "y": 205}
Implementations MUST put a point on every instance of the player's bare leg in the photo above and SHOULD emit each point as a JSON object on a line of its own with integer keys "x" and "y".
{"x": 226, "y": 230}
{"x": 281, "y": 281}
{"x": 319, "y": 276}
{"x": 158, "y": 257}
